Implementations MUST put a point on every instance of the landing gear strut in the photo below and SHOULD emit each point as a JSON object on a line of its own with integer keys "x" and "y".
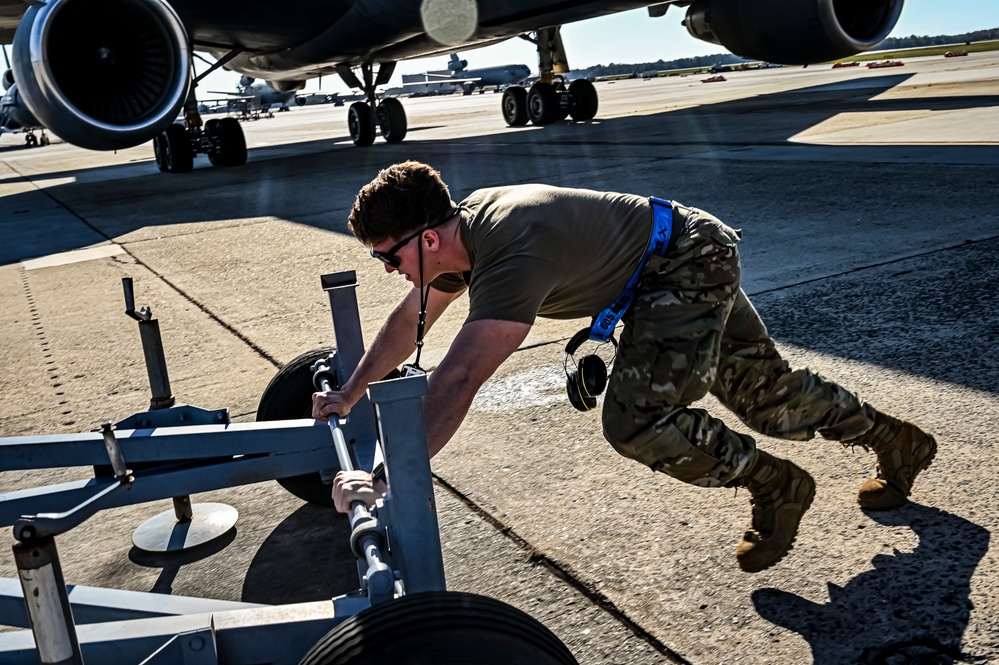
{"x": 221, "y": 139}
{"x": 364, "y": 118}
{"x": 549, "y": 100}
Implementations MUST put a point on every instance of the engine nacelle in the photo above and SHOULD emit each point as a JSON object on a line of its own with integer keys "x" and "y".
{"x": 8, "y": 79}
{"x": 103, "y": 74}
{"x": 793, "y": 32}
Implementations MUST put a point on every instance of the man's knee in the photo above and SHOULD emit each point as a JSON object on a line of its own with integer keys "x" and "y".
{"x": 682, "y": 446}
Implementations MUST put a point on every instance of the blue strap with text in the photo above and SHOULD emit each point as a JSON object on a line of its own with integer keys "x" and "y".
{"x": 662, "y": 227}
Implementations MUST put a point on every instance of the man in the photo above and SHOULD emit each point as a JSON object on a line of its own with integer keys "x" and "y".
{"x": 673, "y": 273}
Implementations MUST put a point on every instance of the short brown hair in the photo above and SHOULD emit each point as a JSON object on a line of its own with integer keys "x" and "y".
{"x": 401, "y": 199}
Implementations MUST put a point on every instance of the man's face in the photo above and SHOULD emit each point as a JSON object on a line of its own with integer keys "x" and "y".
{"x": 402, "y": 256}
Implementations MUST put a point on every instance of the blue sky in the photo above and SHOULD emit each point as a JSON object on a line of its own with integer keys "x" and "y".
{"x": 635, "y": 37}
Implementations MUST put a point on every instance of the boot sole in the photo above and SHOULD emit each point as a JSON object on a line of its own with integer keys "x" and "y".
{"x": 806, "y": 504}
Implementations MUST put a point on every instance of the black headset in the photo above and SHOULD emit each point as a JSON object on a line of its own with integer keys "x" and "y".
{"x": 588, "y": 377}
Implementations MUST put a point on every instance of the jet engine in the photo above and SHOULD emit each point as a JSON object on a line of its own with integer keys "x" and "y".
{"x": 103, "y": 74}
{"x": 793, "y": 32}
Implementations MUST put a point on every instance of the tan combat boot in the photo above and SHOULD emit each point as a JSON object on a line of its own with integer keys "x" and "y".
{"x": 781, "y": 493}
{"x": 903, "y": 451}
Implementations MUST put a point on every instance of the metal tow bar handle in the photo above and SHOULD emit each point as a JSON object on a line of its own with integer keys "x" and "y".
{"x": 366, "y": 539}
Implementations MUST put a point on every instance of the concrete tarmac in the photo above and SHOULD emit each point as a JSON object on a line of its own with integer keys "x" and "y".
{"x": 867, "y": 199}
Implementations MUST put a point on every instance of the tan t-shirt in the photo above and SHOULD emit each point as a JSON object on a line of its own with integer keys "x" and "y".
{"x": 547, "y": 251}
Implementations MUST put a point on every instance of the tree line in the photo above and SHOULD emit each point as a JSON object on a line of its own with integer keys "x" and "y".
{"x": 618, "y": 69}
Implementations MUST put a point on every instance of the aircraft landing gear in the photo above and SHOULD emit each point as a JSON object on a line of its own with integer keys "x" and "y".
{"x": 550, "y": 100}
{"x": 221, "y": 139}
{"x": 363, "y": 118}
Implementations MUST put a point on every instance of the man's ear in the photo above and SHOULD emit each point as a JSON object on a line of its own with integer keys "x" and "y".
{"x": 432, "y": 239}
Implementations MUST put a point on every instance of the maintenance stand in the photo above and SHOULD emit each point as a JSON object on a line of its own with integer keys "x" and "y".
{"x": 402, "y": 612}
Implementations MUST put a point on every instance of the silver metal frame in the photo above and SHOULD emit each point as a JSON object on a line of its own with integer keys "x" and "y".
{"x": 113, "y": 626}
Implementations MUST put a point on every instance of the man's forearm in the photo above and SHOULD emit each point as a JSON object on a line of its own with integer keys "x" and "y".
{"x": 393, "y": 344}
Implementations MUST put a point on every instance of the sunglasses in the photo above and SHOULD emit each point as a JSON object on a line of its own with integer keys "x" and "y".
{"x": 388, "y": 256}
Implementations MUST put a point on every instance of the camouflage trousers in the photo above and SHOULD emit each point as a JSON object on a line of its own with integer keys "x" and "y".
{"x": 692, "y": 330}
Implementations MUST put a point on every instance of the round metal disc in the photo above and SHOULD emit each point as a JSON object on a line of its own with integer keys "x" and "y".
{"x": 164, "y": 533}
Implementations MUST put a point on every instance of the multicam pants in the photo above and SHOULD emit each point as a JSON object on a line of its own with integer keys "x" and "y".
{"x": 692, "y": 330}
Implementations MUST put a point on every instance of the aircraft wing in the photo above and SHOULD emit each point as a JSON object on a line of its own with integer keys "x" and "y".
{"x": 62, "y": 42}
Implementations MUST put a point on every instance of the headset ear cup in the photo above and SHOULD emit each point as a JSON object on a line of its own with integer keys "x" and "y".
{"x": 579, "y": 401}
{"x": 592, "y": 376}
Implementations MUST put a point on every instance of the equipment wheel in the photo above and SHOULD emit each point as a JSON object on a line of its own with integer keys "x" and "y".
{"x": 391, "y": 118}
{"x": 514, "y": 104}
{"x": 30, "y": 140}
{"x": 361, "y": 124}
{"x": 583, "y": 100}
{"x": 228, "y": 142}
{"x": 440, "y": 628}
{"x": 542, "y": 103}
{"x": 178, "y": 155}
{"x": 289, "y": 396}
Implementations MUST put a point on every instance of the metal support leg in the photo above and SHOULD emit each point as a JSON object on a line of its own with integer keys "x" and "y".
{"x": 187, "y": 526}
{"x": 48, "y": 602}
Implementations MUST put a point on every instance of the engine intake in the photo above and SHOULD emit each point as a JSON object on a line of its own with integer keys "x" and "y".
{"x": 103, "y": 74}
{"x": 793, "y": 32}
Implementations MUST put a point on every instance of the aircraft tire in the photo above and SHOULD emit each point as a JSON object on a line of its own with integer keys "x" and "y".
{"x": 392, "y": 120}
{"x": 440, "y": 628}
{"x": 542, "y": 103}
{"x": 583, "y": 100}
{"x": 226, "y": 136}
{"x": 178, "y": 156}
{"x": 514, "y": 106}
{"x": 159, "y": 152}
{"x": 361, "y": 124}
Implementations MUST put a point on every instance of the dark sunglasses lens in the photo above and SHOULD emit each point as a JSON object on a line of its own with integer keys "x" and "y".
{"x": 384, "y": 257}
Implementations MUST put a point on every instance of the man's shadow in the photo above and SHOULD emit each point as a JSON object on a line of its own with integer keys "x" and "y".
{"x": 912, "y": 608}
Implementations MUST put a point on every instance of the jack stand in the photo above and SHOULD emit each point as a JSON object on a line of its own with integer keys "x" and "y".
{"x": 187, "y": 525}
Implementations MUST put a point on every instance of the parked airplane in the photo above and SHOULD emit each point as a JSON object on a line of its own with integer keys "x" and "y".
{"x": 252, "y": 98}
{"x": 110, "y": 74}
{"x": 498, "y": 77}
{"x": 14, "y": 115}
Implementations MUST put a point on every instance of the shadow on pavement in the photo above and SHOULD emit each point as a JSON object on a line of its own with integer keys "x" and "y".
{"x": 912, "y": 608}
{"x": 307, "y": 557}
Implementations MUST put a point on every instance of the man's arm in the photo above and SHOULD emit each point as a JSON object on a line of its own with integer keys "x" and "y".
{"x": 393, "y": 344}
{"x": 477, "y": 351}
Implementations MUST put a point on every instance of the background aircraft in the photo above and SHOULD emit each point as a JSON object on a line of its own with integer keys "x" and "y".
{"x": 14, "y": 115}
{"x": 496, "y": 77}
{"x": 251, "y": 99}
{"x": 111, "y": 74}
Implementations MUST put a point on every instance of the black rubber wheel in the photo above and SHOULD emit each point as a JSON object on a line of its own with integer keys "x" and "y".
{"x": 514, "y": 105}
{"x": 178, "y": 156}
{"x": 289, "y": 396}
{"x": 30, "y": 140}
{"x": 361, "y": 124}
{"x": 583, "y": 100}
{"x": 228, "y": 142}
{"x": 440, "y": 628}
{"x": 392, "y": 120}
{"x": 542, "y": 103}
{"x": 159, "y": 152}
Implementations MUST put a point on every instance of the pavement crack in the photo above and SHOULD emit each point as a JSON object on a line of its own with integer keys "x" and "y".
{"x": 563, "y": 572}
